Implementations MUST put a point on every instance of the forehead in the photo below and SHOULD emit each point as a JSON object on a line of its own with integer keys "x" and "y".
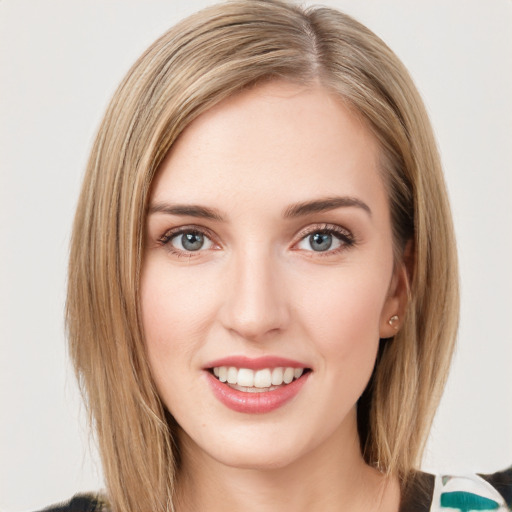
{"x": 277, "y": 140}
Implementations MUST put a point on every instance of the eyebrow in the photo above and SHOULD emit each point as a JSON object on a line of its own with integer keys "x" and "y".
{"x": 292, "y": 211}
{"x": 190, "y": 210}
{"x": 323, "y": 205}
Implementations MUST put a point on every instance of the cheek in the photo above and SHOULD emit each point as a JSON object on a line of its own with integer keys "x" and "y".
{"x": 174, "y": 309}
{"x": 171, "y": 321}
{"x": 343, "y": 304}
{"x": 342, "y": 318}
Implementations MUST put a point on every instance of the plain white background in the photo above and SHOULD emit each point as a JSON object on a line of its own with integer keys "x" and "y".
{"x": 60, "y": 61}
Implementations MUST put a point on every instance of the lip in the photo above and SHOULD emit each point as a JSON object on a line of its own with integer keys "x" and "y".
{"x": 255, "y": 403}
{"x": 256, "y": 363}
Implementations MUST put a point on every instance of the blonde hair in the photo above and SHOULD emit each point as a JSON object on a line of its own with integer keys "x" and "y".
{"x": 198, "y": 63}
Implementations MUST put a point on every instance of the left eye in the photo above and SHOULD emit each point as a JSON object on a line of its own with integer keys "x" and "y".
{"x": 322, "y": 241}
{"x": 190, "y": 241}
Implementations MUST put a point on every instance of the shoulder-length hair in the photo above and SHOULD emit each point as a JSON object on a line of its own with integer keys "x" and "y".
{"x": 195, "y": 65}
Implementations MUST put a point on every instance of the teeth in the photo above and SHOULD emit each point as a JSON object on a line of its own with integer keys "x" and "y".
{"x": 232, "y": 375}
{"x": 288, "y": 375}
{"x": 264, "y": 378}
{"x": 245, "y": 378}
{"x": 277, "y": 376}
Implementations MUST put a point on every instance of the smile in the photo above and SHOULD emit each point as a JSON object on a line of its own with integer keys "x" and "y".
{"x": 256, "y": 381}
{"x": 258, "y": 385}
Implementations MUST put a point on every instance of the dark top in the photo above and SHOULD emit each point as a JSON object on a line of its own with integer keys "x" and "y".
{"x": 425, "y": 493}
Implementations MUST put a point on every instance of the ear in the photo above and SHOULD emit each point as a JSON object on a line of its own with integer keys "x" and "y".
{"x": 395, "y": 306}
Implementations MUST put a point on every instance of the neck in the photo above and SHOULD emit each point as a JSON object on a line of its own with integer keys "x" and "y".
{"x": 333, "y": 477}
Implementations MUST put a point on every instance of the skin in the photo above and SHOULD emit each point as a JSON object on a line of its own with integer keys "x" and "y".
{"x": 258, "y": 288}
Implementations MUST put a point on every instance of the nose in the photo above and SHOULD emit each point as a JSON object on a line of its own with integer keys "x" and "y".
{"x": 255, "y": 306}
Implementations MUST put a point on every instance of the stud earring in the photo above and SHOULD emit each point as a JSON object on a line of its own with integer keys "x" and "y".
{"x": 393, "y": 320}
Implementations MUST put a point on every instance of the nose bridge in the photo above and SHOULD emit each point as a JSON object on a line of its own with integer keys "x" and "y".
{"x": 256, "y": 301}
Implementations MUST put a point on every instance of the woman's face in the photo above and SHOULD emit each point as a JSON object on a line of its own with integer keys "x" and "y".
{"x": 268, "y": 258}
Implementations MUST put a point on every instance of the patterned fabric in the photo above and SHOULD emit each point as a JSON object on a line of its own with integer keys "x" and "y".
{"x": 446, "y": 493}
{"x": 82, "y": 503}
{"x": 426, "y": 493}
{"x": 472, "y": 492}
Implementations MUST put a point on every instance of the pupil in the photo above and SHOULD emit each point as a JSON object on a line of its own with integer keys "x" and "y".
{"x": 320, "y": 241}
{"x": 192, "y": 241}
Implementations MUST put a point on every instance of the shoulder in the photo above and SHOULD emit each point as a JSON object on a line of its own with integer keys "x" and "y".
{"x": 81, "y": 503}
{"x": 502, "y": 482}
{"x": 429, "y": 493}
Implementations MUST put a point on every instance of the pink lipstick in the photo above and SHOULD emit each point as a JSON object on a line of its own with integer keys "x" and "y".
{"x": 255, "y": 385}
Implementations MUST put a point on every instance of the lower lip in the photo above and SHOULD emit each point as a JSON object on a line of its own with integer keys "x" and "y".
{"x": 254, "y": 403}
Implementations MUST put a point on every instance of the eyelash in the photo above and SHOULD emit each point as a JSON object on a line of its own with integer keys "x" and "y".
{"x": 345, "y": 237}
{"x": 166, "y": 238}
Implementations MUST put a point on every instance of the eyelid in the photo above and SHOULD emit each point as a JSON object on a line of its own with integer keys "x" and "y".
{"x": 323, "y": 226}
{"x": 165, "y": 239}
{"x": 343, "y": 234}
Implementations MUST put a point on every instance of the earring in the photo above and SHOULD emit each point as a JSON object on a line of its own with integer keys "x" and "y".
{"x": 393, "y": 320}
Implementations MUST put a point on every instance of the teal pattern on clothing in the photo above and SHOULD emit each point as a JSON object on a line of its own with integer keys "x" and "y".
{"x": 467, "y": 501}
{"x": 469, "y": 493}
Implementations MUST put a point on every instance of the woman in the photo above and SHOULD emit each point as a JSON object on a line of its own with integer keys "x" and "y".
{"x": 258, "y": 311}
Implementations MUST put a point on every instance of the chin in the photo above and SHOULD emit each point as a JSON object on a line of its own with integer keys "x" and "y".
{"x": 253, "y": 450}
{"x": 257, "y": 460}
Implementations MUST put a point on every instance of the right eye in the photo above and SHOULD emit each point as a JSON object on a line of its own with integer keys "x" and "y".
{"x": 186, "y": 241}
{"x": 190, "y": 241}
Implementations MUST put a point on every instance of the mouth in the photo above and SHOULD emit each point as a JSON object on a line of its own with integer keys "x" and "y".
{"x": 258, "y": 385}
{"x": 260, "y": 380}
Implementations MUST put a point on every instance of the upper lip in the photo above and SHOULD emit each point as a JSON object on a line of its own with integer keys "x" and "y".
{"x": 254, "y": 363}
